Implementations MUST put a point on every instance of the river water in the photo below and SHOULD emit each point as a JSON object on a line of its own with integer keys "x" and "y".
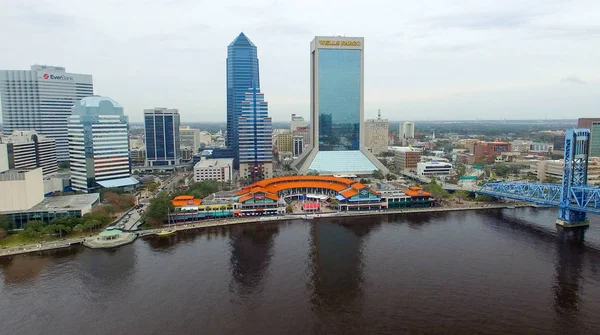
{"x": 497, "y": 271}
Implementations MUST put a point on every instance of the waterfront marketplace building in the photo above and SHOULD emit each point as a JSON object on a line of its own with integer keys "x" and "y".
{"x": 271, "y": 197}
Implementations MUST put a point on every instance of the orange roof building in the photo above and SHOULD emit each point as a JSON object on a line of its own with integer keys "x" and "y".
{"x": 274, "y": 188}
{"x": 185, "y": 200}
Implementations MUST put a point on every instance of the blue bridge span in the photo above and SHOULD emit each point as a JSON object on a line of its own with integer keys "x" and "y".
{"x": 573, "y": 197}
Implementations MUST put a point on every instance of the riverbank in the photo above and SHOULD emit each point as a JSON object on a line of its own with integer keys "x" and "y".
{"x": 236, "y": 221}
{"x": 316, "y": 216}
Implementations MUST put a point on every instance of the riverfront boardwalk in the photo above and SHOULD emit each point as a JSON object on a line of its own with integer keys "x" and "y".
{"x": 235, "y": 221}
{"x": 40, "y": 247}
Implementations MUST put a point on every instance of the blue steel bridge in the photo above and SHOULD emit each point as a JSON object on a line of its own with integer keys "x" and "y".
{"x": 573, "y": 198}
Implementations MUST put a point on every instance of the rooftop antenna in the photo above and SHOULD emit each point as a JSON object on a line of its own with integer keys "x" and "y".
{"x": 379, "y": 114}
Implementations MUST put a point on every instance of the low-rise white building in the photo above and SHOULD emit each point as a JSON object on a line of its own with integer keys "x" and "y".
{"x": 213, "y": 169}
{"x": 21, "y": 189}
{"x": 434, "y": 168}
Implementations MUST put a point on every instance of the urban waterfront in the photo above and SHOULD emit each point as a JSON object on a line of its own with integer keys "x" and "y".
{"x": 493, "y": 271}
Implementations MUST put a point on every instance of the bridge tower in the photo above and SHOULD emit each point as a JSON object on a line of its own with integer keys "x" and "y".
{"x": 575, "y": 170}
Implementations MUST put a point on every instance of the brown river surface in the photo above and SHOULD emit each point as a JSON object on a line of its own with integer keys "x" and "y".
{"x": 506, "y": 271}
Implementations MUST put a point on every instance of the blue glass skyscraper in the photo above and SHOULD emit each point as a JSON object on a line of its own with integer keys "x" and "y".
{"x": 242, "y": 74}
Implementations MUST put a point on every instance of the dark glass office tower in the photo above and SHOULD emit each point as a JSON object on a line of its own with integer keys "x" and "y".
{"x": 162, "y": 136}
{"x": 242, "y": 74}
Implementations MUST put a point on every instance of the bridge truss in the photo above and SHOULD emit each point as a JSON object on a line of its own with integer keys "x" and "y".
{"x": 572, "y": 197}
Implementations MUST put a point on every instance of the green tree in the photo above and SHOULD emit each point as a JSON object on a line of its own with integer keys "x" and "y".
{"x": 313, "y": 173}
{"x": 462, "y": 194}
{"x": 152, "y": 187}
{"x": 158, "y": 209}
{"x": 365, "y": 181}
{"x": 5, "y": 225}
{"x": 33, "y": 229}
{"x": 436, "y": 190}
{"x": 391, "y": 176}
{"x": 460, "y": 169}
{"x": 378, "y": 175}
{"x": 93, "y": 224}
{"x": 78, "y": 228}
{"x": 483, "y": 198}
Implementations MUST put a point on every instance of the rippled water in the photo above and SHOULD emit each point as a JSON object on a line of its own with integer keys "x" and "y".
{"x": 497, "y": 271}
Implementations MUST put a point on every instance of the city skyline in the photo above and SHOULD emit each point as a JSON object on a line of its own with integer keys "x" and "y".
{"x": 446, "y": 62}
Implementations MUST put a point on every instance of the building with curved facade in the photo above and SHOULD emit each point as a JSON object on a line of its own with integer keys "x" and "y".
{"x": 99, "y": 145}
{"x": 272, "y": 196}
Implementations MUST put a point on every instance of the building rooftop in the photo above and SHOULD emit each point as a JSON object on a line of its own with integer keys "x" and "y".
{"x": 23, "y": 136}
{"x": 219, "y": 196}
{"x": 216, "y": 163}
{"x": 94, "y": 101}
{"x": 352, "y": 161}
{"x": 112, "y": 232}
{"x": 66, "y": 203}
{"x": 404, "y": 149}
{"x": 241, "y": 40}
{"x": 15, "y": 174}
{"x": 127, "y": 181}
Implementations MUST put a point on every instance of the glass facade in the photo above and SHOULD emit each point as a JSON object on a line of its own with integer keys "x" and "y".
{"x": 98, "y": 143}
{"x": 339, "y": 74}
{"x": 255, "y": 129}
{"x": 242, "y": 74}
{"x": 162, "y": 136}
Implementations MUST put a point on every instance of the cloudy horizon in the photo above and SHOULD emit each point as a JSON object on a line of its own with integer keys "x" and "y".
{"x": 527, "y": 59}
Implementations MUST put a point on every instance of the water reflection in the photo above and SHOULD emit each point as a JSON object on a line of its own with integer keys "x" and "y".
{"x": 28, "y": 267}
{"x": 336, "y": 249}
{"x": 570, "y": 253}
{"x": 251, "y": 250}
{"x": 100, "y": 267}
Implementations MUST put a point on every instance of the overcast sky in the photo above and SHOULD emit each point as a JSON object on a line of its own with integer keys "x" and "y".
{"x": 424, "y": 60}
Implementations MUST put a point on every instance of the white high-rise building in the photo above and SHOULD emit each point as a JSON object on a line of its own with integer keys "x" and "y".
{"x": 99, "y": 145}
{"x": 25, "y": 149}
{"x": 376, "y": 134}
{"x": 297, "y": 123}
{"x": 407, "y": 130}
{"x": 41, "y": 99}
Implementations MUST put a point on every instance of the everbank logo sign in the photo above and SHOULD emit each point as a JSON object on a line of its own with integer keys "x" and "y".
{"x": 61, "y": 77}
